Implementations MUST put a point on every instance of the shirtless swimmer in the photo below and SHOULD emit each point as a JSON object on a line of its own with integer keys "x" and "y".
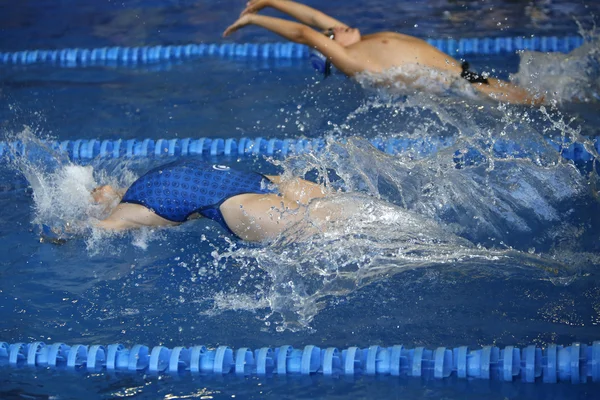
{"x": 353, "y": 53}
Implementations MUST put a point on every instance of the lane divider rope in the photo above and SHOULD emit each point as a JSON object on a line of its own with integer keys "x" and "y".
{"x": 87, "y": 149}
{"x": 119, "y": 55}
{"x": 578, "y": 363}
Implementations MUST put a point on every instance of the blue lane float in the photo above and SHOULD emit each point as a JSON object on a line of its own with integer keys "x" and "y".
{"x": 88, "y": 149}
{"x": 578, "y": 363}
{"x": 117, "y": 55}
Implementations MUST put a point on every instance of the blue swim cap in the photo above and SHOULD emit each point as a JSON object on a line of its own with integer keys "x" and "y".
{"x": 320, "y": 62}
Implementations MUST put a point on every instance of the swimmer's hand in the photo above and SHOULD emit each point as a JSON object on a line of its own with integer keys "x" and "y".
{"x": 55, "y": 235}
{"x": 254, "y": 6}
{"x": 240, "y": 23}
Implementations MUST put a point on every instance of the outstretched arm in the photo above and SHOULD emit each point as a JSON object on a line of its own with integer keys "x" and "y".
{"x": 302, "y": 34}
{"x": 305, "y": 14}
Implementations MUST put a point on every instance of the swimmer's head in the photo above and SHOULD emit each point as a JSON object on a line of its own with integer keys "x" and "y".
{"x": 343, "y": 35}
{"x": 105, "y": 195}
{"x": 318, "y": 61}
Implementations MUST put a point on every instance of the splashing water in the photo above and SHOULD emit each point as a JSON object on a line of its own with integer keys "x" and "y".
{"x": 458, "y": 205}
{"x": 564, "y": 77}
{"x": 416, "y": 81}
{"x": 368, "y": 241}
{"x": 63, "y": 204}
{"x": 402, "y": 212}
{"x": 61, "y": 190}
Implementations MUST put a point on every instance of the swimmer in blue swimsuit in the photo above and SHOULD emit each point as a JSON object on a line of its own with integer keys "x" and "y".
{"x": 248, "y": 204}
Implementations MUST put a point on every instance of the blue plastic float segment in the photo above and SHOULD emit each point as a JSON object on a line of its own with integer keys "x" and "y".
{"x": 57, "y": 353}
{"x": 417, "y": 362}
{"x": 460, "y": 361}
{"x": 76, "y": 356}
{"x": 223, "y": 360}
{"x": 180, "y": 359}
{"x": 511, "y": 363}
{"x": 550, "y": 371}
{"x": 564, "y": 364}
{"x": 352, "y": 360}
{"x": 371, "y": 365}
{"x": 159, "y": 359}
{"x": 377, "y": 361}
{"x": 489, "y": 357}
{"x": 17, "y": 353}
{"x": 116, "y": 357}
{"x": 578, "y": 363}
{"x": 96, "y": 358}
{"x": 36, "y": 354}
{"x": 294, "y": 361}
{"x": 244, "y": 361}
{"x": 528, "y": 363}
{"x": 332, "y": 362}
{"x": 138, "y": 358}
{"x": 265, "y": 361}
{"x": 311, "y": 360}
{"x": 4, "y": 351}
{"x": 197, "y": 353}
{"x": 131, "y": 56}
{"x": 443, "y": 363}
{"x": 283, "y": 356}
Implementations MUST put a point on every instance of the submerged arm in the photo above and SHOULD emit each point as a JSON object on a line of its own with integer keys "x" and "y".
{"x": 305, "y": 14}
{"x": 131, "y": 216}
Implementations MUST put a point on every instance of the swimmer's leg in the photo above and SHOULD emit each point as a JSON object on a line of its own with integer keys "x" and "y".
{"x": 258, "y": 217}
{"x": 508, "y": 92}
{"x": 298, "y": 189}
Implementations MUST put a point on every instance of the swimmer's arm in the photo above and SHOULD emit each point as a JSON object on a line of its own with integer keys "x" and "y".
{"x": 302, "y": 34}
{"x": 132, "y": 216}
{"x": 305, "y": 14}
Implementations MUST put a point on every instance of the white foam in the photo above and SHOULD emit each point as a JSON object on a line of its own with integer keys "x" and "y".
{"x": 563, "y": 77}
{"x": 417, "y": 80}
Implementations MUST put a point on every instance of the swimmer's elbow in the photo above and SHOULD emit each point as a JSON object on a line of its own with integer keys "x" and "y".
{"x": 302, "y": 35}
{"x": 112, "y": 225}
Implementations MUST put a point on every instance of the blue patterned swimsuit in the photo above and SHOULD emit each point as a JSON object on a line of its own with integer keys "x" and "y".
{"x": 177, "y": 190}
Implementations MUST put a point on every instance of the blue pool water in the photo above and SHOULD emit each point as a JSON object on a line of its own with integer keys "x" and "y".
{"x": 503, "y": 251}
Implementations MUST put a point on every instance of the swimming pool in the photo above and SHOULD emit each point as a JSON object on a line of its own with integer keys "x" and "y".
{"x": 478, "y": 248}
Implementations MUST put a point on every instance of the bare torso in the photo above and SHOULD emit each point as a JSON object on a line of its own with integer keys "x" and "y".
{"x": 384, "y": 50}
